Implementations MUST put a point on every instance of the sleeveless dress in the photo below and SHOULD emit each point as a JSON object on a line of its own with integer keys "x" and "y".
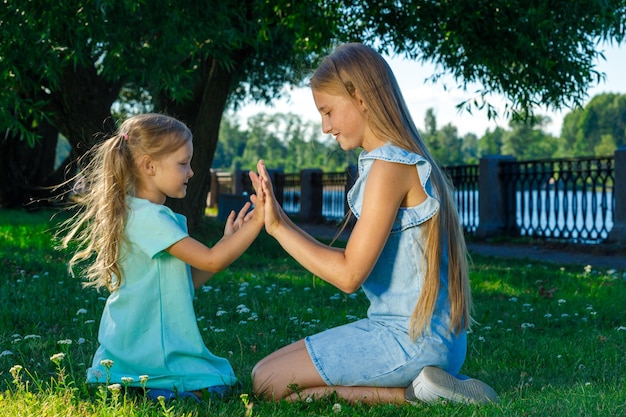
{"x": 148, "y": 325}
{"x": 377, "y": 350}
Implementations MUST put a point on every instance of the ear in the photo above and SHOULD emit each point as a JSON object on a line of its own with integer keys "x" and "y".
{"x": 358, "y": 99}
{"x": 146, "y": 165}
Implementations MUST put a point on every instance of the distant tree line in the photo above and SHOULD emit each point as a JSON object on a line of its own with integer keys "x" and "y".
{"x": 291, "y": 144}
{"x": 284, "y": 140}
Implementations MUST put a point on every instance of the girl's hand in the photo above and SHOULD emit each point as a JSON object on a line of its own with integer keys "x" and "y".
{"x": 234, "y": 222}
{"x": 273, "y": 211}
{"x": 258, "y": 198}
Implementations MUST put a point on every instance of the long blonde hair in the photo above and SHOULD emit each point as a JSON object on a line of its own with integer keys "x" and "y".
{"x": 107, "y": 176}
{"x": 355, "y": 67}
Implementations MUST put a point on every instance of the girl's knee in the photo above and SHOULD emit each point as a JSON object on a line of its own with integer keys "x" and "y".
{"x": 260, "y": 380}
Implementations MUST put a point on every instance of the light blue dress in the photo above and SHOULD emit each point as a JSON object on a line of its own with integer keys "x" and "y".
{"x": 377, "y": 350}
{"x": 148, "y": 325}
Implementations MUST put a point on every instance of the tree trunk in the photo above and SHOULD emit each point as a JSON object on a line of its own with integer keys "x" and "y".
{"x": 82, "y": 107}
{"x": 27, "y": 173}
{"x": 203, "y": 115}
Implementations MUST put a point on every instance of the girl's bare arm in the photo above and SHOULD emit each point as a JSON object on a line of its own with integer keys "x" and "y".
{"x": 386, "y": 190}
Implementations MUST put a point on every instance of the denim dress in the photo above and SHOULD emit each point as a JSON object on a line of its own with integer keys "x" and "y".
{"x": 377, "y": 350}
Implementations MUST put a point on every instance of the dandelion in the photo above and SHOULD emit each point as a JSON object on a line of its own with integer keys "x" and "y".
{"x": 107, "y": 363}
{"x": 336, "y": 408}
{"x": 57, "y": 358}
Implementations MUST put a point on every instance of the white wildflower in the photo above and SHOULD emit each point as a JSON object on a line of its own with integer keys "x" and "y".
{"x": 115, "y": 388}
{"x": 57, "y": 357}
{"x": 5, "y": 353}
{"x": 107, "y": 363}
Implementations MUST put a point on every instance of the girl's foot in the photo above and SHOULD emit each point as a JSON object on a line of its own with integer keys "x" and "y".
{"x": 434, "y": 384}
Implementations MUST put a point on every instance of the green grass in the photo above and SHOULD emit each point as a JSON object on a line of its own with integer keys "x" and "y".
{"x": 551, "y": 340}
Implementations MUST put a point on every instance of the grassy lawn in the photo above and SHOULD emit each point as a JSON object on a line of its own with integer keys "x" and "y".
{"x": 550, "y": 339}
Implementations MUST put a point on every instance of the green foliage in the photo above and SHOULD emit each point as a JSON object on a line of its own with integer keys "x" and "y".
{"x": 283, "y": 140}
{"x": 550, "y": 339}
{"x": 540, "y": 53}
{"x": 596, "y": 129}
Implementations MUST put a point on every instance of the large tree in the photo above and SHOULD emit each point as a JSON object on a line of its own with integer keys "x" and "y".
{"x": 68, "y": 62}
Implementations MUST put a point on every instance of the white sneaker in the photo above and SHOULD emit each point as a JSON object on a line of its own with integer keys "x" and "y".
{"x": 434, "y": 384}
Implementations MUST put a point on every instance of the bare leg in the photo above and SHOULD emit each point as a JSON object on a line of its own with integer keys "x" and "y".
{"x": 289, "y": 374}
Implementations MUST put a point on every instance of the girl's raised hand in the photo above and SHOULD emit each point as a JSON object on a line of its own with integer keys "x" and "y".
{"x": 235, "y": 221}
{"x": 258, "y": 198}
{"x": 272, "y": 208}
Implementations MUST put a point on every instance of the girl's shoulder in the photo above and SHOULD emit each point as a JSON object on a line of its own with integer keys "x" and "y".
{"x": 392, "y": 153}
{"x": 143, "y": 208}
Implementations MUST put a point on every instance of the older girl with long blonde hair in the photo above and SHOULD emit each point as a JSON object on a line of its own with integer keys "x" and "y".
{"x": 406, "y": 251}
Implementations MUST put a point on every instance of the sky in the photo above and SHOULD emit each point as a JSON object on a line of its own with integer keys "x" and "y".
{"x": 421, "y": 95}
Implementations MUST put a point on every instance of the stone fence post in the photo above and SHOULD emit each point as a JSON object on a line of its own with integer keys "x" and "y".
{"x": 311, "y": 194}
{"x": 618, "y": 233}
{"x": 492, "y": 198}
